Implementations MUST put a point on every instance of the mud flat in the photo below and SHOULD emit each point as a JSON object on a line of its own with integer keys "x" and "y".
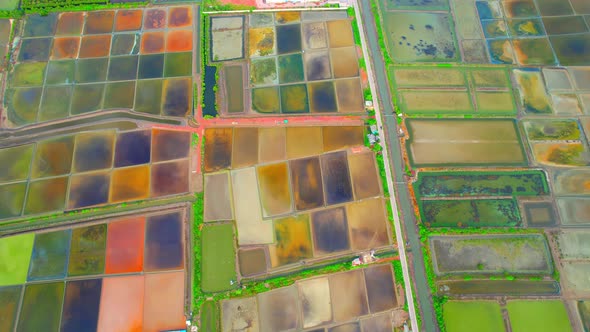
{"x": 529, "y": 254}
{"x": 464, "y": 142}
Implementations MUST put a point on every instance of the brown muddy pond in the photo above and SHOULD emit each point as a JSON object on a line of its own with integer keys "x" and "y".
{"x": 306, "y": 182}
{"x": 344, "y": 62}
{"x": 272, "y": 144}
{"x": 352, "y": 302}
{"x": 368, "y": 224}
{"x": 234, "y": 88}
{"x": 274, "y": 189}
{"x": 278, "y": 309}
{"x": 350, "y": 95}
{"x": 180, "y": 17}
{"x": 380, "y": 288}
{"x": 245, "y": 147}
{"x": 303, "y": 141}
{"x": 341, "y": 137}
{"x": 170, "y": 178}
{"x": 340, "y": 33}
{"x": 218, "y": 204}
{"x": 53, "y": 157}
{"x": 218, "y": 149}
{"x": 252, "y": 262}
{"x": 46, "y": 195}
{"x": 363, "y": 171}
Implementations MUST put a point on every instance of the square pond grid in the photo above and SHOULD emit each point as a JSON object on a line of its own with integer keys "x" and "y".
{"x": 78, "y": 62}
{"x": 295, "y": 197}
{"x": 297, "y": 62}
{"x": 456, "y": 91}
{"x": 536, "y": 32}
{"x": 320, "y": 303}
{"x": 131, "y": 266}
{"x": 93, "y": 168}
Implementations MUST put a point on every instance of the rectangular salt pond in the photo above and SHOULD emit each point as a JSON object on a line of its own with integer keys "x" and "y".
{"x": 293, "y": 240}
{"x": 306, "y": 183}
{"x": 218, "y": 149}
{"x": 464, "y": 142}
{"x": 87, "y": 251}
{"x": 41, "y": 307}
{"x": 50, "y": 256}
{"x": 467, "y": 253}
{"x": 164, "y": 242}
{"x": 124, "y": 248}
{"x": 336, "y": 178}
{"x": 274, "y": 189}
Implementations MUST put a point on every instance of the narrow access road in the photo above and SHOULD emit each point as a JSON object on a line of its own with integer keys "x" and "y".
{"x": 379, "y": 84}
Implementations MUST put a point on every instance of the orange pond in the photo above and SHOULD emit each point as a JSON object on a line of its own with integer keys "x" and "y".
{"x": 99, "y": 22}
{"x": 65, "y": 48}
{"x": 180, "y": 17}
{"x": 130, "y": 183}
{"x": 70, "y": 24}
{"x": 179, "y": 40}
{"x": 164, "y": 302}
{"x": 125, "y": 241}
{"x": 95, "y": 46}
{"x": 152, "y": 42}
{"x": 127, "y": 20}
{"x": 121, "y": 304}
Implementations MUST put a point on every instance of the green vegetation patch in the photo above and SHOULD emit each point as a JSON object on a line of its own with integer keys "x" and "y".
{"x": 547, "y": 130}
{"x": 218, "y": 265}
{"x": 469, "y": 316}
{"x": 470, "y": 213}
{"x": 15, "y": 255}
{"x": 209, "y": 316}
{"x": 473, "y": 183}
{"x": 546, "y": 315}
{"x": 29, "y": 74}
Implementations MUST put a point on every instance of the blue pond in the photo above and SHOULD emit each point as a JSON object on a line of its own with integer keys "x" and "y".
{"x": 92, "y": 190}
{"x": 209, "y": 98}
{"x": 164, "y": 242}
{"x": 81, "y": 306}
{"x": 336, "y": 178}
{"x": 133, "y": 148}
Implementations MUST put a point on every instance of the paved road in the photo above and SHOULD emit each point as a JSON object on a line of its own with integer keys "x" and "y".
{"x": 397, "y": 163}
